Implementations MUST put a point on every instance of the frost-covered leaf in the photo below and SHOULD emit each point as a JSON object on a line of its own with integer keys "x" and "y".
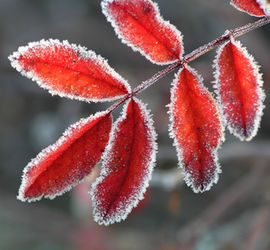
{"x": 251, "y": 7}
{"x": 64, "y": 164}
{"x": 196, "y": 129}
{"x": 238, "y": 85}
{"x": 69, "y": 70}
{"x": 139, "y": 24}
{"x": 265, "y": 5}
{"x": 127, "y": 165}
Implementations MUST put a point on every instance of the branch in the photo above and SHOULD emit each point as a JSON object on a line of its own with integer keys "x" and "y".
{"x": 192, "y": 56}
{"x": 227, "y": 35}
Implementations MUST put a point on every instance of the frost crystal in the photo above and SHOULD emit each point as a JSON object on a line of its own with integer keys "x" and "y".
{"x": 265, "y": 5}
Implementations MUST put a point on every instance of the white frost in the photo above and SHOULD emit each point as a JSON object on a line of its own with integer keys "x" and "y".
{"x": 82, "y": 52}
{"x": 265, "y": 5}
{"x": 138, "y": 194}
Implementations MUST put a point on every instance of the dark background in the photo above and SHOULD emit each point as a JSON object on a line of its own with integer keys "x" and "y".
{"x": 235, "y": 214}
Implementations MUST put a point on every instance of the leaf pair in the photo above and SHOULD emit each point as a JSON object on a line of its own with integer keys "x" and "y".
{"x": 197, "y": 127}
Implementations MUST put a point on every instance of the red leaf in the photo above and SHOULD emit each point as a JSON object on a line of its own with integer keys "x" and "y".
{"x": 128, "y": 163}
{"x": 265, "y": 5}
{"x": 62, "y": 165}
{"x": 249, "y": 6}
{"x": 139, "y": 24}
{"x": 196, "y": 129}
{"x": 239, "y": 90}
{"x": 69, "y": 70}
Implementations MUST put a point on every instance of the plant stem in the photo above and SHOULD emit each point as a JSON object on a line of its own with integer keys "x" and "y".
{"x": 192, "y": 56}
{"x": 232, "y": 33}
{"x": 118, "y": 103}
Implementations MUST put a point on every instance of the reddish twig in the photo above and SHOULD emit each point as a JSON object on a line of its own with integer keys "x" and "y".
{"x": 192, "y": 56}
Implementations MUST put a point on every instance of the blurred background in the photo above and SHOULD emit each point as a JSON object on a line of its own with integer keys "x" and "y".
{"x": 235, "y": 214}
